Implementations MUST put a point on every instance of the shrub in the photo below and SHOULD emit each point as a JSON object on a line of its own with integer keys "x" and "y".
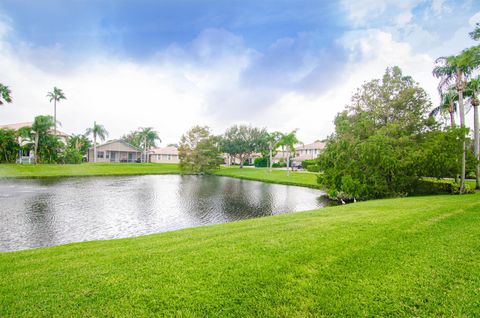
{"x": 261, "y": 162}
{"x": 279, "y": 164}
{"x": 313, "y": 168}
{"x": 431, "y": 186}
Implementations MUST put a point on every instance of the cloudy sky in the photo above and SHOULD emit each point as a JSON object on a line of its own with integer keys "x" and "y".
{"x": 174, "y": 64}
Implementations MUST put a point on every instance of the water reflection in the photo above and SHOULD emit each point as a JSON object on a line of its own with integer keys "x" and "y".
{"x": 52, "y": 211}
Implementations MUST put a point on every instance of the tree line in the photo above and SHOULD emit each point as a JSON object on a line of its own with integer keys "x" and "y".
{"x": 388, "y": 139}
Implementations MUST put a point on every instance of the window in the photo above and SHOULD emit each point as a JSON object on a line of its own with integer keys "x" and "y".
{"x": 169, "y": 157}
{"x": 158, "y": 157}
{"x": 107, "y": 154}
{"x": 99, "y": 154}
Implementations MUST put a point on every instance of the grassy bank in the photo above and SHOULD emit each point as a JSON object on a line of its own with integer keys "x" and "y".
{"x": 305, "y": 179}
{"x": 397, "y": 257}
{"x": 86, "y": 169}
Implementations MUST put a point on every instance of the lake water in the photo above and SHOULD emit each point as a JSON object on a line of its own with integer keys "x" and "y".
{"x": 54, "y": 211}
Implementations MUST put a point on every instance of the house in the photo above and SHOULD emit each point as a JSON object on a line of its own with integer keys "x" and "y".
{"x": 308, "y": 152}
{"x": 61, "y": 135}
{"x": 116, "y": 151}
{"x": 164, "y": 155}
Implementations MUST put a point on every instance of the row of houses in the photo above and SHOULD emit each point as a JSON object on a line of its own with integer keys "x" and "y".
{"x": 121, "y": 151}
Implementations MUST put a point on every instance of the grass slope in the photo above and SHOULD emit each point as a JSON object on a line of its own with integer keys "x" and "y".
{"x": 398, "y": 257}
{"x": 305, "y": 179}
{"x": 86, "y": 169}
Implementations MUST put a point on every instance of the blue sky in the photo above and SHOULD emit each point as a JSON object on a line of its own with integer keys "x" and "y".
{"x": 172, "y": 64}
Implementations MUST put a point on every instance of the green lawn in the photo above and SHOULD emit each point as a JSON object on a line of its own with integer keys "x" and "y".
{"x": 86, "y": 169}
{"x": 417, "y": 256}
{"x": 306, "y": 179}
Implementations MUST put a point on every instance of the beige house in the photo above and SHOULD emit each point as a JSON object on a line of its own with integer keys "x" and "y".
{"x": 164, "y": 155}
{"x": 309, "y": 151}
{"x": 61, "y": 135}
{"x": 116, "y": 151}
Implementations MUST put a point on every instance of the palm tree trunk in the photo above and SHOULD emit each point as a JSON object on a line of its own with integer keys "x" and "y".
{"x": 288, "y": 163}
{"x": 36, "y": 147}
{"x": 452, "y": 119}
{"x": 270, "y": 155}
{"x": 477, "y": 145}
{"x": 94, "y": 147}
{"x": 462, "y": 125}
{"x": 55, "y": 117}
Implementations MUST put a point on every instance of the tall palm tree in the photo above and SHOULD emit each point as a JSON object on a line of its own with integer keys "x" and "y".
{"x": 148, "y": 138}
{"x": 5, "y": 94}
{"x": 40, "y": 127}
{"x": 56, "y": 96}
{"x": 289, "y": 141}
{"x": 273, "y": 143}
{"x": 448, "y": 105}
{"x": 454, "y": 70}
{"x": 97, "y": 131}
{"x": 473, "y": 92}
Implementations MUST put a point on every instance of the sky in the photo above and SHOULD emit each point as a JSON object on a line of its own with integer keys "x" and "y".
{"x": 170, "y": 65}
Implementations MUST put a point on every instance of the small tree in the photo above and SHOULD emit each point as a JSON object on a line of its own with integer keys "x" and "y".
{"x": 8, "y": 146}
{"x": 199, "y": 150}
{"x": 243, "y": 141}
{"x": 148, "y": 139}
{"x": 40, "y": 128}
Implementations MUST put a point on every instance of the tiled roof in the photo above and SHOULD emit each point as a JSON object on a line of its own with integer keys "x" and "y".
{"x": 165, "y": 151}
{"x": 316, "y": 145}
{"x": 17, "y": 126}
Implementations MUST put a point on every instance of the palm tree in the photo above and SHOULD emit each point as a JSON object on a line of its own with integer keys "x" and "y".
{"x": 289, "y": 141}
{"x": 56, "y": 96}
{"x": 473, "y": 91}
{"x": 5, "y": 94}
{"x": 273, "y": 142}
{"x": 40, "y": 127}
{"x": 97, "y": 131}
{"x": 148, "y": 138}
{"x": 448, "y": 105}
{"x": 453, "y": 70}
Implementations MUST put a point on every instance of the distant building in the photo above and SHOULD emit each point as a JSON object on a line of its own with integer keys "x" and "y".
{"x": 62, "y": 135}
{"x": 116, "y": 151}
{"x": 164, "y": 155}
{"x": 309, "y": 151}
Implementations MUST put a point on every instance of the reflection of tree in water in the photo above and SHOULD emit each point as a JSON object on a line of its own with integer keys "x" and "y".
{"x": 211, "y": 199}
{"x": 40, "y": 220}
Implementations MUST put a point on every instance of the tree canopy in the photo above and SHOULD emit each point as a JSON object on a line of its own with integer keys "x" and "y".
{"x": 199, "y": 151}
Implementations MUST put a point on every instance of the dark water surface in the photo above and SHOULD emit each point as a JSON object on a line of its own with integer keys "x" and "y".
{"x": 54, "y": 211}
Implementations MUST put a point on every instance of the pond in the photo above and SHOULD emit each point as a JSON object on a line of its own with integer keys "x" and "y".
{"x": 53, "y": 211}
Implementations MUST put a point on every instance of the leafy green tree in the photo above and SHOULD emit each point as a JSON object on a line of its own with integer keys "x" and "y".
{"x": 97, "y": 131}
{"x": 5, "y": 94}
{"x": 382, "y": 144}
{"x": 243, "y": 141}
{"x": 81, "y": 143}
{"x": 9, "y": 146}
{"x": 289, "y": 141}
{"x": 133, "y": 138}
{"x": 199, "y": 151}
{"x": 56, "y": 96}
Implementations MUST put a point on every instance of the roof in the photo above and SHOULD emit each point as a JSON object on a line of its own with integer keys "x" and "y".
{"x": 165, "y": 151}
{"x": 119, "y": 141}
{"x": 17, "y": 126}
{"x": 315, "y": 145}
